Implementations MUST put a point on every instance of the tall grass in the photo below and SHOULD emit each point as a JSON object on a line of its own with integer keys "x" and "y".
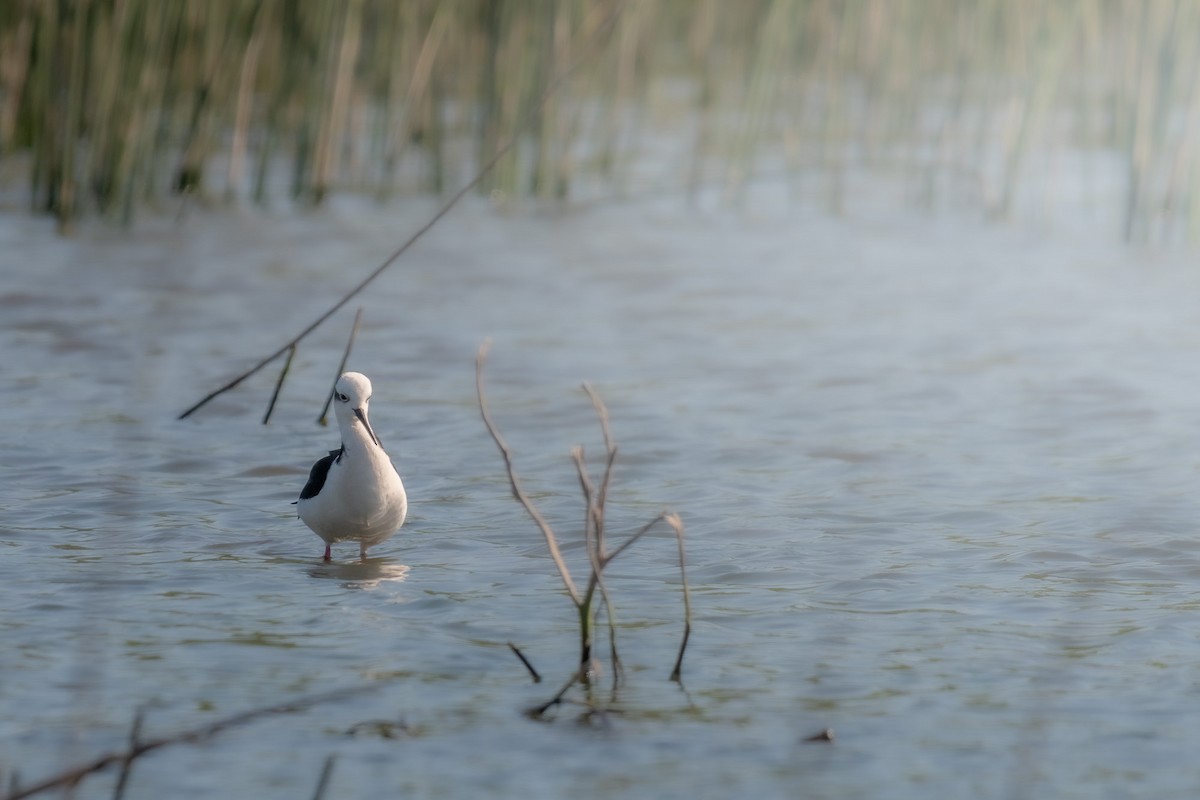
{"x": 114, "y": 105}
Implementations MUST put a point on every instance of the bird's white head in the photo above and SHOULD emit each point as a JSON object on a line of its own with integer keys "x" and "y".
{"x": 351, "y": 396}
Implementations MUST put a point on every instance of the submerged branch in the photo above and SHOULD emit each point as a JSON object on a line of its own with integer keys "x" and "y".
{"x": 138, "y": 747}
{"x": 579, "y": 675}
{"x": 515, "y": 484}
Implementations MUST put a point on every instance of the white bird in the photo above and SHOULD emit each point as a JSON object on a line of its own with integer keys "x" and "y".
{"x": 354, "y": 494}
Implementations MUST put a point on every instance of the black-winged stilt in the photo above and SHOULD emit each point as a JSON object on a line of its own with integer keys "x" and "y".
{"x": 354, "y": 494}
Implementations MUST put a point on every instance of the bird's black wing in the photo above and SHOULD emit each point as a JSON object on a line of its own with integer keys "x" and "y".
{"x": 318, "y": 473}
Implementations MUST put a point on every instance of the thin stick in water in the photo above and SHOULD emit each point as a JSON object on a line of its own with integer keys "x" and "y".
{"x": 533, "y": 673}
{"x": 677, "y": 525}
{"x": 537, "y": 711}
{"x": 287, "y": 365}
{"x": 135, "y": 734}
{"x": 324, "y": 418}
{"x": 596, "y": 556}
{"x": 323, "y": 780}
{"x": 611, "y": 447}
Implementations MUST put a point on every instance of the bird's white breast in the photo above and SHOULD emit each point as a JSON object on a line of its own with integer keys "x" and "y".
{"x": 363, "y": 499}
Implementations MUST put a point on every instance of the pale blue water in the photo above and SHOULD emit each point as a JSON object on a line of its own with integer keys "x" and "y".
{"x": 939, "y": 482}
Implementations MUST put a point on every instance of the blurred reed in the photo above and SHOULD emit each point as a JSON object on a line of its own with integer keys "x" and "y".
{"x": 109, "y": 106}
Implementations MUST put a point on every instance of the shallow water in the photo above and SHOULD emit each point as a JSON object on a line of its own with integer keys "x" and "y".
{"x": 938, "y": 479}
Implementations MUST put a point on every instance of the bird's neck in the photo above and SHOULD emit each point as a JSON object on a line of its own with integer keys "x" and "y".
{"x": 356, "y": 440}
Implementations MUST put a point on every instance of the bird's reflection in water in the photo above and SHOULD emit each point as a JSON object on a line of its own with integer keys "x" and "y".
{"x": 360, "y": 574}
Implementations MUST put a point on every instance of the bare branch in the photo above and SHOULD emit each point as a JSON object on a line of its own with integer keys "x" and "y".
{"x": 611, "y": 447}
{"x": 677, "y": 525}
{"x": 615, "y": 657}
{"x": 602, "y": 413}
{"x": 596, "y": 557}
{"x": 585, "y": 484}
{"x": 518, "y": 492}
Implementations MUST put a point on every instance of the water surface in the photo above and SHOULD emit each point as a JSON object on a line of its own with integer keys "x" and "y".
{"x": 938, "y": 479}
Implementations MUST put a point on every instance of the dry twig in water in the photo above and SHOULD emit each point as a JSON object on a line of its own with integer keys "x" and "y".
{"x": 594, "y": 543}
{"x": 677, "y": 525}
{"x": 515, "y": 483}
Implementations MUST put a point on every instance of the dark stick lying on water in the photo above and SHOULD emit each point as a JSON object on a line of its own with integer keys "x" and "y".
{"x": 323, "y": 778}
{"x": 533, "y": 673}
{"x": 287, "y": 365}
{"x": 138, "y": 747}
{"x": 593, "y": 39}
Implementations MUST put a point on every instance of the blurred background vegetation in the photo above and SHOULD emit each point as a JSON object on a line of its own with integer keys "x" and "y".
{"x": 111, "y": 106}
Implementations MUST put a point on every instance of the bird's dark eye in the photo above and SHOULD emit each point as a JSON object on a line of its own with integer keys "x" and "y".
{"x": 342, "y": 397}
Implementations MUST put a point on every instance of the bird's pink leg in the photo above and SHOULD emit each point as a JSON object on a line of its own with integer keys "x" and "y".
{"x": 328, "y": 554}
